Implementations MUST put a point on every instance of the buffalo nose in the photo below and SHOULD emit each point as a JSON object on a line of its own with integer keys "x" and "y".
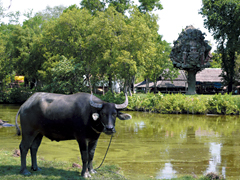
{"x": 110, "y": 127}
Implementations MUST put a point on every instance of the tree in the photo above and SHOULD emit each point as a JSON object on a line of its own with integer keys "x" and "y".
{"x": 68, "y": 36}
{"x": 140, "y": 40}
{"x": 120, "y": 5}
{"x": 93, "y": 5}
{"x": 191, "y": 53}
{"x": 67, "y": 77}
{"x": 149, "y": 5}
{"x": 222, "y": 18}
{"x": 109, "y": 32}
{"x": 159, "y": 63}
{"x": 23, "y": 49}
{"x": 51, "y": 12}
{"x": 123, "y": 42}
{"x": 5, "y": 66}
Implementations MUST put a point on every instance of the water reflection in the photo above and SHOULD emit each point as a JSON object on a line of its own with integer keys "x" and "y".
{"x": 190, "y": 144}
{"x": 154, "y": 145}
{"x": 215, "y": 160}
{"x": 167, "y": 172}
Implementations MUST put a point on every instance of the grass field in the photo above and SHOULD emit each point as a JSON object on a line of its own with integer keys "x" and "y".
{"x": 52, "y": 170}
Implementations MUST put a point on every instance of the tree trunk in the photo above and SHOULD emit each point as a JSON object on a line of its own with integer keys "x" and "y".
{"x": 126, "y": 86}
{"x": 232, "y": 70}
{"x": 155, "y": 86}
{"x": 110, "y": 83}
{"x": 129, "y": 88}
{"x": 191, "y": 82}
{"x": 94, "y": 88}
{"x": 133, "y": 82}
{"x": 147, "y": 86}
{"x": 89, "y": 82}
{"x": 103, "y": 91}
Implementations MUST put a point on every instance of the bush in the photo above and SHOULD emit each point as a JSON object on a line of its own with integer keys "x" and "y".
{"x": 184, "y": 104}
{"x": 15, "y": 95}
{"x": 113, "y": 97}
{"x": 222, "y": 104}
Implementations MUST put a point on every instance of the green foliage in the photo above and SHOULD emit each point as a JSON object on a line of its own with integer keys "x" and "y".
{"x": 222, "y": 18}
{"x": 183, "y": 104}
{"x": 15, "y": 95}
{"x": 222, "y": 104}
{"x": 149, "y": 5}
{"x": 67, "y": 77}
{"x": 113, "y": 97}
{"x": 120, "y": 5}
{"x": 93, "y": 5}
{"x": 101, "y": 43}
{"x": 216, "y": 60}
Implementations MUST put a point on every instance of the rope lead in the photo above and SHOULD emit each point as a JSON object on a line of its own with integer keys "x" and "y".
{"x": 105, "y": 153}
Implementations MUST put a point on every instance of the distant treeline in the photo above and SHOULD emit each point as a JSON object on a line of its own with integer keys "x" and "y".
{"x": 67, "y": 50}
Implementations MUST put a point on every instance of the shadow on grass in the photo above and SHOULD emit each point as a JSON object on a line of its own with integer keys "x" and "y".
{"x": 12, "y": 172}
{"x": 8, "y": 172}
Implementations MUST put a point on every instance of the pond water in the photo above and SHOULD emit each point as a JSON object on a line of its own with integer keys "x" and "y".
{"x": 153, "y": 145}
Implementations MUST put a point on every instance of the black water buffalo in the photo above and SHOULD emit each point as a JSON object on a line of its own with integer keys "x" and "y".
{"x": 59, "y": 117}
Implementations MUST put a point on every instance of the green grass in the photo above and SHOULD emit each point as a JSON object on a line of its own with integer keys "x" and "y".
{"x": 52, "y": 170}
{"x": 59, "y": 170}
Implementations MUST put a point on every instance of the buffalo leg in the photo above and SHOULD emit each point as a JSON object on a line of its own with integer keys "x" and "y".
{"x": 27, "y": 139}
{"x": 23, "y": 152}
{"x": 84, "y": 155}
{"x": 33, "y": 149}
{"x": 91, "y": 150}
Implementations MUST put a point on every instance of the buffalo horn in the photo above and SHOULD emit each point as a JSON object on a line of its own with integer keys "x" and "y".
{"x": 124, "y": 105}
{"x": 93, "y": 104}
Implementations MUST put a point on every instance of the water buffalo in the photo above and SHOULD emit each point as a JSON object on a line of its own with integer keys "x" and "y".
{"x": 80, "y": 116}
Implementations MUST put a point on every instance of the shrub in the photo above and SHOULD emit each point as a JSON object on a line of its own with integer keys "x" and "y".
{"x": 195, "y": 105}
{"x": 16, "y": 95}
{"x": 222, "y": 104}
{"x": 180, "y": 103}
{"x": 113, "y": 97}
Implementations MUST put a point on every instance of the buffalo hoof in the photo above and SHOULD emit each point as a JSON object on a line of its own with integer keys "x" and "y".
{"x": 25, "y": 172}
{"x": 36, "y": 169}
{"x": 86, "y": 175}
{"x": 92, "y": 171}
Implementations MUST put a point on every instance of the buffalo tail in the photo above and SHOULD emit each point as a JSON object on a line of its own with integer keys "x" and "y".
{"x": 17, "y": 127}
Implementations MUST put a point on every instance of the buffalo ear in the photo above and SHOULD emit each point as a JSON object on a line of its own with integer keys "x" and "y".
{"x": 123, "y": 116}
{"x": 95, "y": 116}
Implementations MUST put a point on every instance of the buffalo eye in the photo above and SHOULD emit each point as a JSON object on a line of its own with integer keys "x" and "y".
{"x": 114, "y": 115}
{"x": 103, "y": 114}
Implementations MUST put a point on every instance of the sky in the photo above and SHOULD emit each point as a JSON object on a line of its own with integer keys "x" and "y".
{"x": 175, "y": 16}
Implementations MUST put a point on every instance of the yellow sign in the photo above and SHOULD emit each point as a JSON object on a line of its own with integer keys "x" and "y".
{"x": 19, "y": 78}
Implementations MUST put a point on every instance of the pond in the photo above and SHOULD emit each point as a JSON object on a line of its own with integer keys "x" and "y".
{"x": 153, "y": 145}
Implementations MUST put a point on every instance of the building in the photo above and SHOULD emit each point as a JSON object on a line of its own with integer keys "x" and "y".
{"x": 208, "y": 81}
{"x": 166, "y": 85}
